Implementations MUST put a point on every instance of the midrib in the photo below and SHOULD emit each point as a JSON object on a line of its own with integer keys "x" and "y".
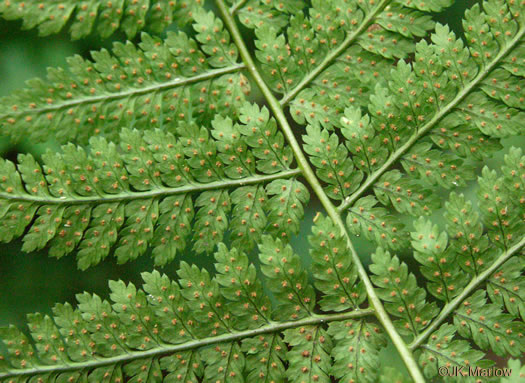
{"x": 166, "y": 349}
{"x": 334, "y": 54}
{"x": 177, "y": 82}
{"x": 159, "y": 192}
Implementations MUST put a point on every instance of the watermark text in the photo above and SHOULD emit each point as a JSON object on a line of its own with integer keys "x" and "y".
{"x": 474, "y": 371}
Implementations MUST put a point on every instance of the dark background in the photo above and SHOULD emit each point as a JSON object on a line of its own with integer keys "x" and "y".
{"x": 35, "y": 282}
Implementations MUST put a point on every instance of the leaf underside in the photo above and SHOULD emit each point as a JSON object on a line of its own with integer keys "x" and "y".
{"x": 166, "y": 152}
{"x": 100, "y": 17}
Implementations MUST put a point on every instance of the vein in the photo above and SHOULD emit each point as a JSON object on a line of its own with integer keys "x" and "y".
{"x": 158, "y": 192}
{"x": 351, "y": 38}
{"x": 474, "y": 283}
{"x": 394, "y": 157}
{"x": 166, "y": 349}
{"x": 131, "y": 92}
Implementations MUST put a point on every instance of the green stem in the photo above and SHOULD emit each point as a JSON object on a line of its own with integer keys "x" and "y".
{"x": 195, "y": 344}
{"x": 131, "y": 92}
{"x": 334, "y": 54}
{"x": 429, "y": 125}
{"x": 308, "y": 173}
{"x": 474, "y": 283}
{"x": 237, "y": 6}
{"x": 192, "y": 188}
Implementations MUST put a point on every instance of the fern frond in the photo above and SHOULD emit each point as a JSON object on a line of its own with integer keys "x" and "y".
{"x": 160, "y": 84}
{"x": 485, "y": 266}
{"x": 399, "y": 289}
{"x": 488, "y": 326}
{"x": 256, "y": 13}
{"x": 390, "y": 127}
{"x": 155, "y": 191}
{"x": 497, "y": 269}
{"x": 504, "y": 197}
{"x": 103, "y": 17}
{"x": 509, "y": 295}
{"x": 435, "y": 118}
{"x": 516, "y": 371}
{"x": 331, "y": 160}
{"x": 335, "y": 273}
{"x": 444, "y": 350}
{"x": 309, "y": 354}
{"x": 355, "y": 355}
{"x": 470, "y": 243}
{"x": 376, "y": 223}
{"x": 438, "y": 263}
{"x": 198, "y": 327}
{"x": 332, "y": 57}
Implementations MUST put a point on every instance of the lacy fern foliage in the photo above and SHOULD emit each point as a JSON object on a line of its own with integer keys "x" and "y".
{"x": 156, "y": 191}
{"x": 157, "y": 84}
{"x": 383, "y": 116}
{"x": 201, "y": 327}
{"x": 220, "y": 328}
{"x": 104, "y": 17}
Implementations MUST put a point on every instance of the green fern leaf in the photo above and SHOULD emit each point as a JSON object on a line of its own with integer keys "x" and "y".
{"x": 200, "y": 327}
{"x": 238, "y": 279}
{"x": 393, "y": 122}
{"x": 438, "y": 262}
{"x": 160, "y": 84}
{"x": 488, "y": 327}
{"x": 356, "y": 355}
{"x": 444, "y": 350}
{"x": 326, "y": 154}
{"x": 469, "y": 241}
{"x": 146, "y": 193}
{"x": 391, "y": 374}
{"x": 309, "y": 356}
{"x": 291, "y": 289}
{"x": 509, "y": 295}
{"x": 264, "y": 356}
{"x": 448, "y": 102}
{"x": 95, "y": 15}
{"x": 376, "y": 223}
{"x": 335, "y": 274}
{"x": 399, "y": 289}
{"x": 345, "y": 40}
{"x": 516, "y": 372}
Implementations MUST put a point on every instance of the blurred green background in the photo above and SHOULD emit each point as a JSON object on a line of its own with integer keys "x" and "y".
{"x": 34, "y": 282}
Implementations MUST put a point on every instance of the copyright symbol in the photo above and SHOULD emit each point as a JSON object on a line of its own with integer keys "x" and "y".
{"x": 443, "y": 371}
